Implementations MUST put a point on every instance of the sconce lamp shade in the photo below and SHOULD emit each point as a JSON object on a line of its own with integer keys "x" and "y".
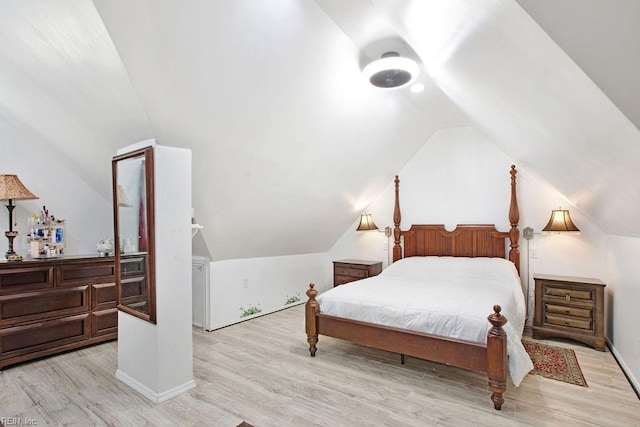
{"x": 366, "y": 223}
{"x": 560, "y": 223}
{"x": 12, "y": 189}
{"x": 123, "y": 200}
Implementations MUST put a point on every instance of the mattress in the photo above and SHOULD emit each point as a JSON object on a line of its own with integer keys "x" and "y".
{"x": 444, "y": 296}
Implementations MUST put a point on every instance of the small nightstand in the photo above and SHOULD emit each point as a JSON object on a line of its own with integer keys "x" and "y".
{"x": 348, "y": 270}
{"x": 569, "y": 307}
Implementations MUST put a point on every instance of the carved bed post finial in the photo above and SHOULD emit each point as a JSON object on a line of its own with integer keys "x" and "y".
{"x": 497, "y": 356}
{"x": 311, "y": 320}
{"x": 397, "y": 249}
{"x": 514, "y": 219}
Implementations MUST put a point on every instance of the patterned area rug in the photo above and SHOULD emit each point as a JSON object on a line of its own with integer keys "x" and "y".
{"x": 555, "y": 362}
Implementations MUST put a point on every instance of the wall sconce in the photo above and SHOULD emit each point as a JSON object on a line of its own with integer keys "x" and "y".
{"x": 559, "y": 223}
{"x": 367, "y": 224}
{"x": 12, "y": 189}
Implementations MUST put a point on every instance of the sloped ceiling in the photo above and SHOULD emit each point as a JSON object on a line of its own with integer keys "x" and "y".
{"x": 289, "y": 142}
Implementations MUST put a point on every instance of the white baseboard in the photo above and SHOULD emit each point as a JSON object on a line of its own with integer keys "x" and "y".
{"x": 627, "y": 372}
{"x": 150, "y": 394}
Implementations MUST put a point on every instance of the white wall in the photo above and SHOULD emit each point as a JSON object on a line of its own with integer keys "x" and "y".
{"x": 265, "y": 283}
{"x": 623, "y": 299}
{"x": 458, "y": 177}
{"x": 51, "y": 176}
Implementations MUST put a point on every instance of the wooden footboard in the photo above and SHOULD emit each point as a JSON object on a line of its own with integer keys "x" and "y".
{"x": 491, "y": 358}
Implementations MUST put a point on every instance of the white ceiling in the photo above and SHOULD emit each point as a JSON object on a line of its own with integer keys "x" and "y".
{"x": 287, "y": 138}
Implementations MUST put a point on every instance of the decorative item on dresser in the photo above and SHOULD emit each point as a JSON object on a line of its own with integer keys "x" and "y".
{"x": 348, "y": 270}
{"x": 52, "y": 305}
{"x": 469, "y": 241}
{"x": 569, "y": 307}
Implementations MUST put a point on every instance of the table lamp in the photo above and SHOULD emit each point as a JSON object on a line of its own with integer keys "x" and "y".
{"x": 12, "y": 189}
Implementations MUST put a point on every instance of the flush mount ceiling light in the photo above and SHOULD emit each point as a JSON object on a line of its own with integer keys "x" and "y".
{"x": 391, "y": 71}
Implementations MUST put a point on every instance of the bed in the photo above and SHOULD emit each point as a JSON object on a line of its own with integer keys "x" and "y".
{"x": 450, "y": 327}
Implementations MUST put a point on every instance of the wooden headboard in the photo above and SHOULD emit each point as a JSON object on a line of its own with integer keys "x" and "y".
{"x": 469, "y": 240}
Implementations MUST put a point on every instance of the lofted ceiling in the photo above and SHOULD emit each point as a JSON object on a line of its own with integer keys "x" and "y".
{"x": 287, "y": 138}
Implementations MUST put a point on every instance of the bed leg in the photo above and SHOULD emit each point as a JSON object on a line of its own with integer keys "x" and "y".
{"x": 311, "y": 321}
{"x": 497, "y": 357}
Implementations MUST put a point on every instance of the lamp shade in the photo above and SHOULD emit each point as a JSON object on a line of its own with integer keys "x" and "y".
{"x": 366, "y": 223}
{"x": 12, "y": 189}
{"x": 560, "y": 223}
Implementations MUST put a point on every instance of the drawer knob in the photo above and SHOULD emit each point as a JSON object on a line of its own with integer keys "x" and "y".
{"x": 567, "y": 297}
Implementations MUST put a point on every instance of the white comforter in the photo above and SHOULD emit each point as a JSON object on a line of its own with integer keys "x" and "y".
{"x": 446, "y": 296}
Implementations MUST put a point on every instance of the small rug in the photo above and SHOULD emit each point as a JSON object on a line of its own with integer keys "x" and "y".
{"x": 555, "y": 362}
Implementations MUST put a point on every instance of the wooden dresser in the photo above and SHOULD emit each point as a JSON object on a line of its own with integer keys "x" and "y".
{"x": 348, "y": 270}
{"x": 569, "y": 307}
{"x": 52, "y": 305}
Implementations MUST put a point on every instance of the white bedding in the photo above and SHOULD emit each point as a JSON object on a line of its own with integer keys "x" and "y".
{"x": 445, "y": 296}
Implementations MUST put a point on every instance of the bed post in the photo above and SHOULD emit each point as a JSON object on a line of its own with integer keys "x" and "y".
{"x": 514, "y": 218}
{"x": 497, "y": 357}
{"x": 397, "y": 249}
{"x": 311, "y": 320}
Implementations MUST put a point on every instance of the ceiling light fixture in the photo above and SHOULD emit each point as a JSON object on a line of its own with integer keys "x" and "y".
{"x": 391, "y": 71}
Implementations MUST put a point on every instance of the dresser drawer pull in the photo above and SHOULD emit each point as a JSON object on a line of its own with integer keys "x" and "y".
{"x": 567, "y": 297}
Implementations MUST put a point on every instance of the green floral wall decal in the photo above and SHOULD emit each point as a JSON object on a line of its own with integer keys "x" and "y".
{"x": 250, "y": 311}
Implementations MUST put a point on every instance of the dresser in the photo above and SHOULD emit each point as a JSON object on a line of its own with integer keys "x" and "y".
{"x": 52, "y": 305}
{"x": 348, "y": 270}
{"x": 569, "y": 307}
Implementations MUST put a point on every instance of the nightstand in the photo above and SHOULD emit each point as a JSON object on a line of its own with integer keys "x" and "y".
{"x": 348, "y": 270}
{"x": 569, "y": 307}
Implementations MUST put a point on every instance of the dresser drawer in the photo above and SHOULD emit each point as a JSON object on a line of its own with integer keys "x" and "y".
{"x": 26, "y": 279}
{"x": 39, "y": 336}
{"x": 95, "y": 272}
{"x": 104, "y": 322}
{"x": 568, "y": 310}
{"x": 103, "y": 295}
{"x": 37, "y": 305}
{"x": 568, "y": 321}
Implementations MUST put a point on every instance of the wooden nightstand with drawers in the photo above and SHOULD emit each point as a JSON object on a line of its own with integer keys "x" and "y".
{"x": 569, "y": 307}
{"x": 348, "y": 270}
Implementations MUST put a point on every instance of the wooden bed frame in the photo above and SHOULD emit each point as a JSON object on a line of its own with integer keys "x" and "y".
{"x": 434, "y": 240}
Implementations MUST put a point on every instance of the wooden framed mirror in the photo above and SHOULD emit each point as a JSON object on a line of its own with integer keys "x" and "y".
{"x": 134, "y": 232}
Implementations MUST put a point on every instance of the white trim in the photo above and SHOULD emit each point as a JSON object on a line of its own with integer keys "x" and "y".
{"x": 152, "y": 395}
{"x": 627, "y": 372}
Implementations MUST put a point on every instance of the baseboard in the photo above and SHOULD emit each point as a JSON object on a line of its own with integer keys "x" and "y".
{"x": 262, "y": 313}
{"x": 150, "y": 394}
{"x": 625, "y": 369}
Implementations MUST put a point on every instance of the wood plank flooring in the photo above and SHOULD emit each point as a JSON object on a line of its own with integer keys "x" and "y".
{"x": 260, "y": 372}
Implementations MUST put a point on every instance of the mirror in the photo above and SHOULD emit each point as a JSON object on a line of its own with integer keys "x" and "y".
{"x": 134, "y": 233}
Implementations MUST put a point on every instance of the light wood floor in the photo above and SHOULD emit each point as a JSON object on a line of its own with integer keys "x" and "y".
{"x": 260, "y": 371}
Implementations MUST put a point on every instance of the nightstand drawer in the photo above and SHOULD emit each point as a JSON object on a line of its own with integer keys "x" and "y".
{"x": 351, "y": 272}
{"x": 568, "y": 311}
{"x": 569, "y": 294}
{"x": 568, "y": 321}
